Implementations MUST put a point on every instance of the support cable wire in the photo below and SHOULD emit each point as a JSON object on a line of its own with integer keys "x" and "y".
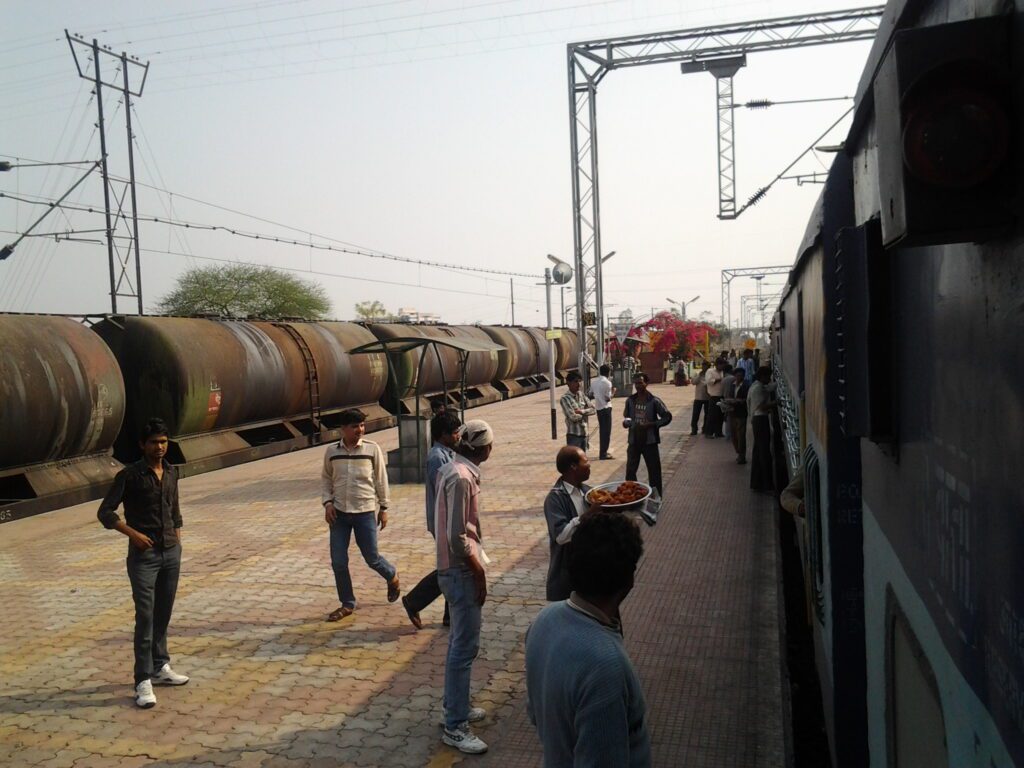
{"x": 22, "y": 270}
{"x": 759, "y": 195}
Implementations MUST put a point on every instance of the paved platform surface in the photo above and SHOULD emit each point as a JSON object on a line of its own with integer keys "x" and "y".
{"x": 275, "y": 685}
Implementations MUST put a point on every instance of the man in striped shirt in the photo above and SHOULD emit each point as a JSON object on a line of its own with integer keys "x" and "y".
{"x": 460, "y": 572}
{"x": 354, "y": 486}
{"x": 576, "y": 408}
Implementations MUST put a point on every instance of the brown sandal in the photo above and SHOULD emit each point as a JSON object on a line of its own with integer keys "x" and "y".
{"x": 394, "y": 589}
{"x": 340, "y": 613}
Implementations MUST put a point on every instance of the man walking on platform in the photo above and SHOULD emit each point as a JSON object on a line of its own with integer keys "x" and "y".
{"x": 576, "y": 408}
{"x": 354, "y": 485}
{"x": 645, "y": 415}
{"x": 582, "y": 693}
{"x": 563, "y": 507}
{"x": 460, "y": 571}
{"x": 602, "y": 391}
{"x": 152, "y": 522}
{"x": 444, "y": 431}
{"x": 700, "y": 399}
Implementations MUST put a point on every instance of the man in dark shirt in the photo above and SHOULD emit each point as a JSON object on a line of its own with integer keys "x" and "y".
{"x": 645, "y": 415}
{"x": 152, "y": 522}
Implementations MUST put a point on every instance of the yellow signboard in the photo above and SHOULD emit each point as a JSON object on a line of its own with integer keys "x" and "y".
{"x": 552, "y": 335}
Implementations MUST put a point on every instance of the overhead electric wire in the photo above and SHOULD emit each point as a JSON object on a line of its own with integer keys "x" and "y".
{"x": 201, "y": 227}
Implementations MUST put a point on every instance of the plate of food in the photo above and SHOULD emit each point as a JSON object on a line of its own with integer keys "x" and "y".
{"x": 619, "y": 496}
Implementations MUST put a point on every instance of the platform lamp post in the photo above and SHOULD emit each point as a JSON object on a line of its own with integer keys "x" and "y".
{"x": 560, "y": 274}
{"x": 682, "y": 305}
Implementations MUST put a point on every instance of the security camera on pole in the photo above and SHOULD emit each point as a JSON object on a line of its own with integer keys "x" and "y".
{"x": 560, "y": 274}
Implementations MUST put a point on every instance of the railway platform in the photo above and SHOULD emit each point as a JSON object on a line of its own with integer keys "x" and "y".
{"x": 273, "y": 684}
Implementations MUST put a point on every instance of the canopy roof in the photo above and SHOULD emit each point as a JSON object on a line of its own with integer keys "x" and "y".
{"x": 407, "y": 343}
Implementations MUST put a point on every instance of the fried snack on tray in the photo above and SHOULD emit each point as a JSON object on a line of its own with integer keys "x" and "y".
{"x": 626, "y": 493}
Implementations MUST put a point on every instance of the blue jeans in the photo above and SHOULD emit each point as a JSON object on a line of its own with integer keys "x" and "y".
{"x": 463, "y": 642}
{"x": 364, "y": 524}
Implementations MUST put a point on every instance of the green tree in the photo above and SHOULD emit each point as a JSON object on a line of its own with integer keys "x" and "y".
{"x": 245, "y": 290}
{"x": 371, "y": 310}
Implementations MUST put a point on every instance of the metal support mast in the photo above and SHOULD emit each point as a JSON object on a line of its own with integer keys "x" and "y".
{"x": 588, "y": 63}
{"x": 125, "y": 277}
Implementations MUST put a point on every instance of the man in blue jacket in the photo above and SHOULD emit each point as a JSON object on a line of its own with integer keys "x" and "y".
{"x": 645, "y": 415}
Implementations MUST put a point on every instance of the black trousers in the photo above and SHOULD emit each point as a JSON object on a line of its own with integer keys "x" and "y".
{"x": 698, "y": 406}
{"x": 424, "y": 593}
{"x": 604, "y": 427}
{"x": 652, "y": 458}
{"x": 153, "y": 574}
{"x": 715, "y": 419}
{"x": 761, "y": 456}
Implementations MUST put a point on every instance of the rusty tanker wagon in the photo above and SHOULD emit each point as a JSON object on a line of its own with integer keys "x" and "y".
{"x": 897, "y": 356}
{"x": 73, "y": 398}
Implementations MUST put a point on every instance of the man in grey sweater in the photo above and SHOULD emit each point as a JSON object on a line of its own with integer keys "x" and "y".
{"x": 583, "y": 695}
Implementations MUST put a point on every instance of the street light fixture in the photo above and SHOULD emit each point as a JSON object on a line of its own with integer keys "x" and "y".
{"x": 682, "y": 305}
{"x": 560, "y": 274}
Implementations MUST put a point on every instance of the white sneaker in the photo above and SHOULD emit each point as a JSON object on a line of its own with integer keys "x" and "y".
{"x": 167, "y": 676}
{"x": 144, "y": 696}
{"x": 476, "y": 714}
{"x": 463, "y": 740}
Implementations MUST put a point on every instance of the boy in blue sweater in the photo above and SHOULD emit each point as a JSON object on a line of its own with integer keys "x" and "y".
{"x": 583, "y": 695}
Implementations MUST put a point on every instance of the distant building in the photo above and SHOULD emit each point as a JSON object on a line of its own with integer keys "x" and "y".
{"x": 412, "y": 315}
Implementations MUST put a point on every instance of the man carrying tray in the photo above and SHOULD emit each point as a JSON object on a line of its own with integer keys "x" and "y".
{"x": 564, "y": 505}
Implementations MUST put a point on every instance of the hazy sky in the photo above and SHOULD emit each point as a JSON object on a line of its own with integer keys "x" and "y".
{"x": 429, "y": 130}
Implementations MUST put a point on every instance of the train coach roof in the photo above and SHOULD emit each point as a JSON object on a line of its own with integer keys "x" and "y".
{"x": 406, "y": 343}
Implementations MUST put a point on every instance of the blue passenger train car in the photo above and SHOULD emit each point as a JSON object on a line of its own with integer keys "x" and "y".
{"x": 901, "y": 385}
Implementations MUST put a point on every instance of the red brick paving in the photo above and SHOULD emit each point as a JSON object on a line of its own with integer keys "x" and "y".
{"x": 701, "y": 623}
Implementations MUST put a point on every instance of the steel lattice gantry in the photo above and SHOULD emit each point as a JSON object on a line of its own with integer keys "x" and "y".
{"x": 727, "y": 278}
{"x": 720, "y": 50}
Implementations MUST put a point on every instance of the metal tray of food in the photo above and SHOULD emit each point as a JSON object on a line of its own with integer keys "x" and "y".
{"x": 637, "y": 493}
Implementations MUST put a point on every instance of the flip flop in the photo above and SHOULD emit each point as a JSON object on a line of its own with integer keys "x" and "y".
{"x": 414, "y": 616}
{"x": 394, "y": 589}
{"x": 340, "y": 613}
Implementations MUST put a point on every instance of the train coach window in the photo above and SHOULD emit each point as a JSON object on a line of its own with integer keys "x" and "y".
{"x": 915, "y": 727}
{"x": 815, "y": 544}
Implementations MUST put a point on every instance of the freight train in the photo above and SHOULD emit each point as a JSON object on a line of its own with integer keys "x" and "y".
{"x": 897, "y": 356}
{"x": 73, "y": 397}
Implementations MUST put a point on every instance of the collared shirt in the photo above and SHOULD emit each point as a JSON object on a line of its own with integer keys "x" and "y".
{"x": 575, "y": 423}
{"x": 701, "y": 392}
{"x": 759, "y": 399}
{"x": 578, "y": 603}
{"x": 579, "y": 501}
{"x": 150, "y": 504}
{"x": 601, "y": 387}
{"x": 438, "y": 456}
{"x": 457, "y": 513}
{"x": 749, "y": 367}
{"x": 354, "y": 479}
{"x": 714, "y": 379}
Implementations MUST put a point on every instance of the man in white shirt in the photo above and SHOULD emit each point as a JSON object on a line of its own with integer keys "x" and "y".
{"x": 715, "y": 380}
{"x": 602, "y": 391}
{"x": 759, "y": 405}
{"x": 354, "y": 486}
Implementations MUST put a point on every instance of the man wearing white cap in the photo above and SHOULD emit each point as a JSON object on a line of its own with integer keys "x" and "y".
{"x": 460, "y": 572}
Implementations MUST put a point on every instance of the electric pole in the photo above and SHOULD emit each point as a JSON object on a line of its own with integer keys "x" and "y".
{"x": 125, "y": 281}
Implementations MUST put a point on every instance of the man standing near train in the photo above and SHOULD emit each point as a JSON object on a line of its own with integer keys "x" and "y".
{"x": 152, "y": 522}
{"x": 576, "y": 408}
